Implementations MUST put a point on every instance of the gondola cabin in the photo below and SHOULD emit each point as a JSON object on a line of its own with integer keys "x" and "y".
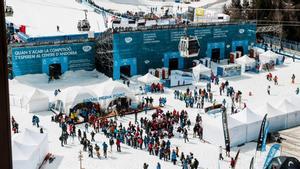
{"x": 84, "y": 25}
{"x": 189, "y": 46}
{"x": 9, "y": 11}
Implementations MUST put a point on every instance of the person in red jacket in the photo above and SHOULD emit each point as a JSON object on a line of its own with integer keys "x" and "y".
{"x": 118, "y": 143}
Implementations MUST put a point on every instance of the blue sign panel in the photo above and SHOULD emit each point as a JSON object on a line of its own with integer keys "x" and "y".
{"x": 36, "y": 59}
{"x": 150, "y": 48}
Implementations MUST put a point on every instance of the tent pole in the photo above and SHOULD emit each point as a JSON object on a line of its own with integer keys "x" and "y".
{"x": 5, "y": 135}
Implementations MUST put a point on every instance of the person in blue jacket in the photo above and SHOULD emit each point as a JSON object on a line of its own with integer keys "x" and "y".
{"x": 158, "y": 166}
{"x": 174, "y": 157}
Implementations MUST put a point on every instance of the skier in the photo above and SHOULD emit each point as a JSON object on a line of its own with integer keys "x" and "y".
{"x": 86, "y": 126}
{"x": 185, "y": 135}
{"x": 195, "y": 164}
{"x": 158, "y": 166}
{"x": 293, "y": 78}
{"x": 145, "y": 166}
{"x": 232, "y": 163}
{"x": 104, "y": 145}
{"x": 268, "y": 90}
{"x": 297, "y": 91}
{"x": 57, "y": 28}
{"x": 276, "y": 80}
{"x": 97, "y": 149}
{"x": 173, "y": 157}
{"x": 220, "y": 154}
{"x": 118, "y": 143}
{"x": 111, "y": 143}
{"x": 91, "y": 150}
{"x": 92, "y": 135}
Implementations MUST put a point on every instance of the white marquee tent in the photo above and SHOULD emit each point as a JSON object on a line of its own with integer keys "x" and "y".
{"x": 252, "y": 121}
{"x": 148, "y": 79}
{"x": 246, "y": 62}
{"x": 200, "y": 69}
{"x": 37, "y": 140}
{"x": 37, "y": 101}
{"x": 72, "y": 96}
{"x": 268, "y": 56}
{"x": 102, "y": 93}
{"x": 292, "y": 111}
{"x": 276, "y": 118}
{"x": 213, "y": 131}
{"x": 24, "y": 156}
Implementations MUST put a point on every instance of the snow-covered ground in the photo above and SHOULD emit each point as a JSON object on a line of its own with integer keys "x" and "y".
{"x": 129, "y": 158}
{"x": 146, "y": 5}
{"x": 42, "y": 16}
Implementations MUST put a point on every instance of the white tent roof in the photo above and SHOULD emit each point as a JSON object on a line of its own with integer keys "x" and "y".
{"x": 148, "y": 79}
{"x": 287, "y": 107}
{"x": 200, "y": 69}
{"x": 217, "y": 121}
{"x": 31, "y": 138}
{"x": 74, "y": 95}
{"x": 247, "y": 116}
{"x": 295, "y": 100}
{"x": 245, "y": 60}
{"x": 21, "y": 151}
{"x": 270, "y": 110}
{"x": 268, "y": 56}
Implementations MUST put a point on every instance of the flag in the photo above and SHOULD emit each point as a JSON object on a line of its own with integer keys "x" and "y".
{"x": 261, "y": 134}
{"x": 225, "y": 130}
{"x": 199, "y": 12}
{"x": 271, "y": 154}
{"x": 252, "y": 163}
{"x": 263, "y": 147}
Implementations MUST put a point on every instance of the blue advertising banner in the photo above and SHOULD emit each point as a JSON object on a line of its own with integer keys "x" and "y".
{"x": 149, "y": 47}
{"x": 271, "y": 154}
{"x": 36, "y": 59}
{"x": 263, "y": 147}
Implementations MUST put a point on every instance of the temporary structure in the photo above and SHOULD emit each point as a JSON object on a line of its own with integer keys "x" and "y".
{"x": 246, "y": 62}
{"x": 267, "y": 57}
{"x": 292, "y": 111}
{"x": 24, "y": 156}
{"x": 252, "y": 121}
{"x": 213, "y": 131}
{"x": 148, "y": 79}
{"x": 37, "y": 101}
{"x": 37, "y": 140}
{"x": 200, "y": 69}
{"x": 72, "y": 96}
{"x": 276, "y": 118}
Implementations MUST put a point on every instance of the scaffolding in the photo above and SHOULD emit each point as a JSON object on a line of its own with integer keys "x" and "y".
{"x": 104, "y": 53}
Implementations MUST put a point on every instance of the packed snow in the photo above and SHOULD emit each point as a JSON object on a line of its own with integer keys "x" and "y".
{"x": 207, "y": 154}
{"x": 41, "y": 17}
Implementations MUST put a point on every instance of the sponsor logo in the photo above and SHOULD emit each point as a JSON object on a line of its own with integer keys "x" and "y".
{"x": 128, "y": 39}
{"x": 86, "y": 48}
{"x": 242, "y": 31}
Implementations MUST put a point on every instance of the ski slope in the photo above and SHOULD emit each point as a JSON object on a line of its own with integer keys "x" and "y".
{"x": 42, "y": 16}
{"x": 129, "y": 158}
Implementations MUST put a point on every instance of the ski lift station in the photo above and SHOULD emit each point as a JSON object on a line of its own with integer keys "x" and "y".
{"x": 131, "y": 51}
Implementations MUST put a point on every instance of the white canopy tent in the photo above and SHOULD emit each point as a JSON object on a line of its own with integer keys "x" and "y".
{"x": 200, "y": 69}
{"x": 246, "y": 62}
{"x": 267, "y": 57}
{"x": 213, "y": 131}
{"x": 292, "y": 111}
{"x": 72, "y": 96}
{"x": 37, "y": 101}
{"x": 24, "y": 156}
{"x": 252, "y": 121}
{"x": 148, "y": 79}
{"x": 34, "y": 139}
{"x": 276, "y": 118}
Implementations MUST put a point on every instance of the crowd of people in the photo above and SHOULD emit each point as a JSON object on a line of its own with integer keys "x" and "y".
{"x": 151, "y": 135}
